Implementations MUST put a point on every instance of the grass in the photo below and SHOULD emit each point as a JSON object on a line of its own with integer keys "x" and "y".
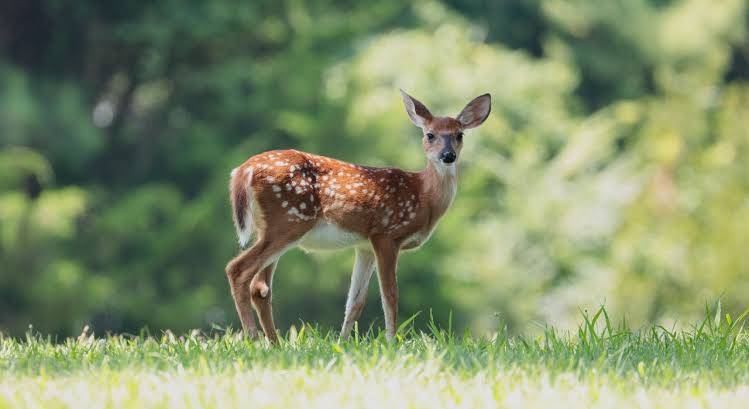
{"x": 600, "y": 365}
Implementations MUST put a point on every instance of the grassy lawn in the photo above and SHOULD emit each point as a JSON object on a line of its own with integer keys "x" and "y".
{"x": 598, "y": 366}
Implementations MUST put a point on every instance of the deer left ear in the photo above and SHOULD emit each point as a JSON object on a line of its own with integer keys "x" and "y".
{"x": 418, "y": 113}
{"x": 476, "y": 112}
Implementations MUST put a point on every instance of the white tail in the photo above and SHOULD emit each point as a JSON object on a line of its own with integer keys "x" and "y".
{"x": 294, "y": 198}
{"x": 242, "y": 204}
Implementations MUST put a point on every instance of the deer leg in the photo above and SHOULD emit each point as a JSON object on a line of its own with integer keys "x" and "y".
{"x": 387, "y": 259}
{"x": 261, "y": 293}
{"x": 241, "y": 295}
{"x": 241, "y": 271}
{"x": 357, "y": 293}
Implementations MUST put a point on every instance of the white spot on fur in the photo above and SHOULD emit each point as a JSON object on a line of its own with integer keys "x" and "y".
{"x": 284, "y": 204}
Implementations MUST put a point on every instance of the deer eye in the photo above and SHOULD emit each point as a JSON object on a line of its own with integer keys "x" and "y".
{"x": 430, "y": 137}
{"x": 459, "y": 137}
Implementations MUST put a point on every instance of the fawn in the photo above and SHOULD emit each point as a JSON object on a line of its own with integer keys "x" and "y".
{"x": 291, "y": 198}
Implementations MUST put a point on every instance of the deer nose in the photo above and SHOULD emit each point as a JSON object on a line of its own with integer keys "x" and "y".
{"x": 448, "y": 156}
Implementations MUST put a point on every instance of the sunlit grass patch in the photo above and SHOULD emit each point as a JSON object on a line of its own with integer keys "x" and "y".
{"x": 600, "y": 365}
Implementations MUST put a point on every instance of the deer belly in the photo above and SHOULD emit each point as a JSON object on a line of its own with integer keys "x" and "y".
{"x": 329, "y": 236}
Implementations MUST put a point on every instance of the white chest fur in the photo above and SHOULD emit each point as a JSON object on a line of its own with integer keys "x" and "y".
{"x": 329, "y": 236}
{"x": 447, "y": 183}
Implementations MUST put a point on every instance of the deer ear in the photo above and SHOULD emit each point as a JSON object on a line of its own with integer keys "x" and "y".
{"x": 418, "y": 113}
{"x": 476, "y": 112}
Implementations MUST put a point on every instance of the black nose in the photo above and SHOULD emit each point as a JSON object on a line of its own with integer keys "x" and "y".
{"x": 448, "y": 156}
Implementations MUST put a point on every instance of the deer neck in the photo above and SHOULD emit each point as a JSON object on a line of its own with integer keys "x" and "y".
{"x": 439, "y": 184}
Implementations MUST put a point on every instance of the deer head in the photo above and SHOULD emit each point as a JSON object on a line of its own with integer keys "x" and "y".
{"x": 443, "y": 135}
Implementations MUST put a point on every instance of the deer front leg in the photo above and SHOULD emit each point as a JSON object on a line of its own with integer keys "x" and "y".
{"x": 387, "y": 258}
{"x": 357, "y": 293}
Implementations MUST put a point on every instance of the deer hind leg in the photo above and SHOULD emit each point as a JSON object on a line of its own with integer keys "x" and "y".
{"x": 357, "y": 293}
{"x": 240, "y": 293}
{"x": 261, "y": 293}
{"x": 242, "y": 270}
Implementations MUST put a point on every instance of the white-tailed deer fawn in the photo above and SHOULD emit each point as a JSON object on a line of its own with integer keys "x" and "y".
{"x": 291, "y": 198}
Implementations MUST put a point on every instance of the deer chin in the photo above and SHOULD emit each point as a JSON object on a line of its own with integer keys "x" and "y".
{"x": 444, "y": 169}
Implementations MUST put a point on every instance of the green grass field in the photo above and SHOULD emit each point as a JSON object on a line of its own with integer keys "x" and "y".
{"x": 598, "y": 366}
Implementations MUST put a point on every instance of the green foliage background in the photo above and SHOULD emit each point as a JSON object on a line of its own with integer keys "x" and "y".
{"x": 612, "y": 169}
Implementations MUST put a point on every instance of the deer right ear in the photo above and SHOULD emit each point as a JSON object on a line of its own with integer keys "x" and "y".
{"x": 418, "y": 113}
{"x": 476, "y": 112}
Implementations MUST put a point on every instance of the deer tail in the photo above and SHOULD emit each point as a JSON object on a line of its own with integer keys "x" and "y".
{"x": 240, "y": 188}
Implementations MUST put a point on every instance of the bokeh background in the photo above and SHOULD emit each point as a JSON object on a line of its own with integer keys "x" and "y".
{"x": 613, "y": 168}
